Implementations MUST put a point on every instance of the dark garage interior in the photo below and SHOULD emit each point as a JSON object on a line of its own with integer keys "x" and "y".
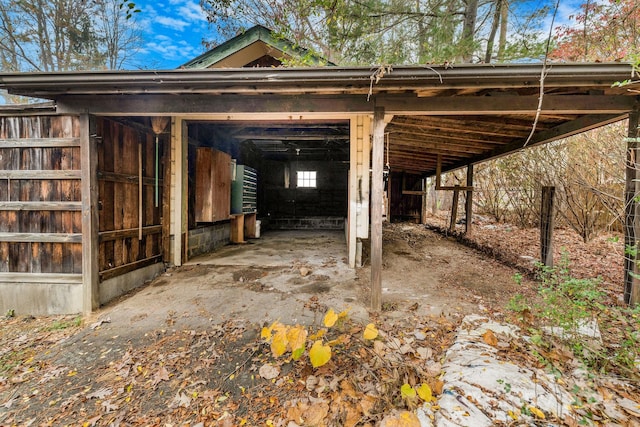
{"x": 301, "y": 171}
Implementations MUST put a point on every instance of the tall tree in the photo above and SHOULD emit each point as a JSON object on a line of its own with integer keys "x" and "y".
{"x": 59, "y": 35}
{"x": 602, "y": 31}
{"x": 367, "y": 32}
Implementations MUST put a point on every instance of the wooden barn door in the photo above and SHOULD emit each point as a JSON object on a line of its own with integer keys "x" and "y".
{"x": 130, "y": 200}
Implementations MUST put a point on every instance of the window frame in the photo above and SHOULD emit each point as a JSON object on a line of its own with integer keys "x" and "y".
{"x": 307, "y": 179}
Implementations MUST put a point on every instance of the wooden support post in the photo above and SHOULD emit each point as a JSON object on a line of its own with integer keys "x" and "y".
{"x": 454, "y": 209}
{"x": 140, "y": 188}
{"x": 469, "y": 202}
{"x": 423, "y": 210}
{"x": 179, "y": 208}
{"x": 632, "y": 212}
{"x": 546, "y": 226}
{"x": 166, "y": 200}
{"x": 89, "y": 185}
{"x": 376, "y": 208}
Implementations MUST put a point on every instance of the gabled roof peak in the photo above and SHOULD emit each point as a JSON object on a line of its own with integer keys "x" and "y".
{"x": 256, "y": 47}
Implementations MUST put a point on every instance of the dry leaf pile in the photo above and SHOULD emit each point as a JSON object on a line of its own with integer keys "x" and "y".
{"x": 227, "y": 375}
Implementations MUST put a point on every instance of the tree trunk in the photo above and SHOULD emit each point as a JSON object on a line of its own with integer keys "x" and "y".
{"x": 468, "y": 30}
{"x": 502, "y": 41}
{"x": 494, "y": 29}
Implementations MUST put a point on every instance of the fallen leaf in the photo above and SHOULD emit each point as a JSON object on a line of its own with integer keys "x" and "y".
{"x": 353, "y": 415}
{"x": 490, "y": 338}
{"x": 403, "y": 419}
{"x": 297, "y": 337}
{"x": 160, "y": 375}
{"x": 180, "y": 400}
{"x": 330, "y": 318}
{"x": 407, "y": 392}
{"x": 370, "y": 332}
{"x": 316, "y": 413}
{"x": 424, "y": 391}
{"x": 367, "y": 404}
{"x": 537, "y": 412}
{"x": 92, "y": 421}
{"x": 280, "y": 342}
{"x": 100, "y": 394}
{"x": 319, "y": 354}
{"x": 268, "y": 371}
{"x": 424, "y": 352}
{"x": 265, "y": 334}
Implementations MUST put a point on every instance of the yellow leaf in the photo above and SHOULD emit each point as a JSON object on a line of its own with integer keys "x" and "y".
{"x": 407, "y": 391}
{"x": 330, "y": 318}
{"x": 537, "y": 412}
{"x": 512, "y": 415}
{"x": 297, "y": 336}
{"x": 265, "y": 334}
{"x": 370, "y": 332}
{"x": 490, "y": 338}
{"x": 343, "y": 314}
{"x": 279, "y": 342}
{"x": 424, "y": 391}
{"x": 318, "y": 334}
{"x": 72, "y": 373}
{"x": 319, "y": 354}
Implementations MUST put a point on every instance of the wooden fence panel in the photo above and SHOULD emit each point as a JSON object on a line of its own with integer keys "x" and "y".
{"x": 40, "y": 220}
{"x": 122, "y": 248}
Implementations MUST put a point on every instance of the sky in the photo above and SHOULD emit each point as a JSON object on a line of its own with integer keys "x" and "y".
{"x": 173, "y": 31}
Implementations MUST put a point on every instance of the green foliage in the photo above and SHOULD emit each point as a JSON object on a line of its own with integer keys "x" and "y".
{"x": 567, "y": 305}
{"x": 59, "y": 325}
{"x": 517, "y": 277}
{"x": 566, "y": 301}
{"x": 129, "y": 8}
{"x": 518, "y": 304}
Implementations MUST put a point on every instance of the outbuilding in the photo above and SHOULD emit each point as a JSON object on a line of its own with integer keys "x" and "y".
{"x": 126, "y": 172}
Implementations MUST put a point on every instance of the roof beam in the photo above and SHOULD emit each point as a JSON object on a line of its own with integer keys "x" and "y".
{"x": 354, "y": 104}
{"x": 492, "y": 105}
{"x": 197, "y": 105}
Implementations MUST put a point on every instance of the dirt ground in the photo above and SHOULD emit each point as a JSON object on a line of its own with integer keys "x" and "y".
{"x": 185, "y": 348}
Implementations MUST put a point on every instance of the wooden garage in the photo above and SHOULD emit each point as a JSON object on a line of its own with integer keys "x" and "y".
{"x": 97, "y": 188}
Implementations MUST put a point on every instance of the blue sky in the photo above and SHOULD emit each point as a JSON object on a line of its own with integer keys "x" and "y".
{"x": 172, "y": 30}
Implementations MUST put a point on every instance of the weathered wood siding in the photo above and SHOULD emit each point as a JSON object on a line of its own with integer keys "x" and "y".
{"x": 40, "y": 213}
{"x": 40, "y": 219}
{"x": 125, "y": 243}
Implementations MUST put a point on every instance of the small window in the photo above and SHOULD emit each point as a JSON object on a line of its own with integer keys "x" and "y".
{"x": 307, "y": 179}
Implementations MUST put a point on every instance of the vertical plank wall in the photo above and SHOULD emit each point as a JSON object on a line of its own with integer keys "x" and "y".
{"x": 126, "y": 244}
{"x": 40, "y": 215}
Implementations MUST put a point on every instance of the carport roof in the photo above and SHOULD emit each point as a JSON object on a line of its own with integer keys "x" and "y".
{"x": 462, "y": 113}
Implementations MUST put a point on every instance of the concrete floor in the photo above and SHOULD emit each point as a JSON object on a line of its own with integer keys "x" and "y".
{"x": 293, "y": 276}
